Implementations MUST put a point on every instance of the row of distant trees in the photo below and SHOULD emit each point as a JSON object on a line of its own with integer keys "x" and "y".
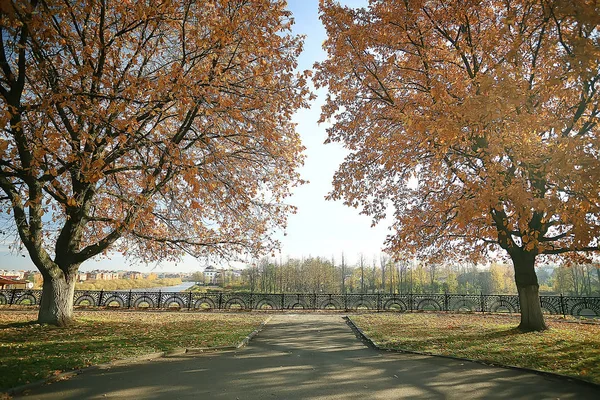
{"x": 579, "y": 279}
{"x": 381, "y": 275}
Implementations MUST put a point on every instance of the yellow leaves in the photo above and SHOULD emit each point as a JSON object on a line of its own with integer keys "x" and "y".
{"x": 211, "y": 186}
{"x": 71, "y": 202}
{"x": 530, "y": 241}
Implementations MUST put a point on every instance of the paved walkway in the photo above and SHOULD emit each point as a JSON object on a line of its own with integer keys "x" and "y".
{"x": 310, "y": 357}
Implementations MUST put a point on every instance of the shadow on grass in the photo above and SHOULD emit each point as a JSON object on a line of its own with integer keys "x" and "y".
{"x": 20, "y": 324}
{"x": 35, "y": 351}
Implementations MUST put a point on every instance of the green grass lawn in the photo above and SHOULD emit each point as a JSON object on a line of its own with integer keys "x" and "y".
{"x": 30, "y": 352}
{"x": 566, "y": 348}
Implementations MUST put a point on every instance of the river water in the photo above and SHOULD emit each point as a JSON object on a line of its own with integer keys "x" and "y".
{"x": 178, "y": 288}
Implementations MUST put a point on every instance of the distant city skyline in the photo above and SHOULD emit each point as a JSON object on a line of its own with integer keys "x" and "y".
{"x": 320, "y": 228}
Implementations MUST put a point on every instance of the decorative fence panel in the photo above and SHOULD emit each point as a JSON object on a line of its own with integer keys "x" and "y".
{"x": 561, "y": 305}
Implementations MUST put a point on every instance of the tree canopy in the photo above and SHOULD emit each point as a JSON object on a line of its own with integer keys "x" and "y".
{"x": 152, "y": 128}
{"x": 491, "y": 107}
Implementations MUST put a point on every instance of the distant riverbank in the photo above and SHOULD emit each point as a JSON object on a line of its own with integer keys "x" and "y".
{"x": 183, "y": 286}
{"x": 133, "y": 284}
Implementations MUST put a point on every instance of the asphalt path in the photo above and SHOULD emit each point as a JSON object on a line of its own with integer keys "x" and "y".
{"x": 310, "y": 356}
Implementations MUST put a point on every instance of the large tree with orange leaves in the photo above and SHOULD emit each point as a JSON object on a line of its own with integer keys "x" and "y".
{"x": 152, "y": 128}
{"x": 490, "y": 106}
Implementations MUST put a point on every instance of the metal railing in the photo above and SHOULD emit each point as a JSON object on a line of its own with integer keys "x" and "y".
{"x": 560, "y": 305}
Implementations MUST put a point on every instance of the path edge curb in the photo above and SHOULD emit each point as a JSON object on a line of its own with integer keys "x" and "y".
{"x": 371, "y": 343}
{"x": 255, "y": 332}
{"x": 151, "y": 356}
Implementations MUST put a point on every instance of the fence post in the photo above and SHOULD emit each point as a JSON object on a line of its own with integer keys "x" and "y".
{"x": 378, "y": 301}
{"x": 410, "y": 301}
{"x": 446, "y": 301}
{"x": 282, "y": 300}
{"x": 190, "y": 301}
{"x": 482, "y": 301}
{"x": 12, "y": 297}
{"x": 220, "y": 299}
{"x": 100, "y": 298}
{"x": 159, "y": 296}
{"x": 129, "y": 299}
{"x": 562, "y": 306}
{"x": 346, "y": 301}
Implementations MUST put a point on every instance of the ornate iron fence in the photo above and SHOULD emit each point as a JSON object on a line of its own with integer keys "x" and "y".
{"x": 561, "y": 305}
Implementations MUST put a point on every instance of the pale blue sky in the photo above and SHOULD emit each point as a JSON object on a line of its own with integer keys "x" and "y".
{"x": 320, "y": 228}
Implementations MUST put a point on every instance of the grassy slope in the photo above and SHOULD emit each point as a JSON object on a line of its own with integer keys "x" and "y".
{"x": 29, "y": 351}
{"x": 567, "y": 348}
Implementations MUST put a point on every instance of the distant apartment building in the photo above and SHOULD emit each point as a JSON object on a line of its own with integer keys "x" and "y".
{"x": 132, "y": 275}
{"x": 98, "y": 275}
{"x": 211, "y": 274}
{"x": 170, "y": 275}
{"x": 12, "y": 274}
{"x": 236, "y": 273}
{"x": 103, "y": 275}
{"x": 14, "y": 280}
{"x": 91, "y": 276}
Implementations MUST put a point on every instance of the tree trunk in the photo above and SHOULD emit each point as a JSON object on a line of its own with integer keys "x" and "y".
{"x": 56, "y": 306}
{"x": 532, "y": 318}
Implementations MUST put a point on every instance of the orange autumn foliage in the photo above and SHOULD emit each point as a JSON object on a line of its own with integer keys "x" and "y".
{"x": 152, "y": 128}
{"x": 492, "y": 108}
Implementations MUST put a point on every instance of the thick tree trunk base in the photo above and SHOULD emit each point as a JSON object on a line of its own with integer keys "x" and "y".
{"x": 532, "y": 318}
{"x": 56, "y": 307}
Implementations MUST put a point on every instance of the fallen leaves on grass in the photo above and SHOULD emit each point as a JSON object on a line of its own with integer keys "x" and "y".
{"x": 566, "y": 348}
{"x": 30, "y": 351}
